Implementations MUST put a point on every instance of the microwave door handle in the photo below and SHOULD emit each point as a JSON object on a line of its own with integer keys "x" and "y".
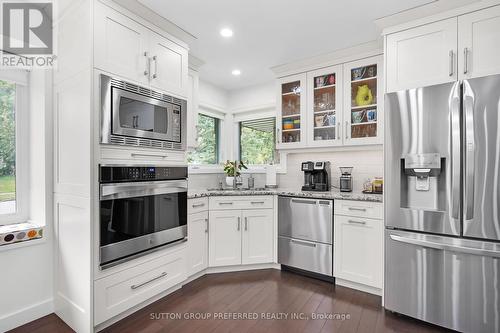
{"x": 455, "y": 150}
{"x": 470, "y": 148}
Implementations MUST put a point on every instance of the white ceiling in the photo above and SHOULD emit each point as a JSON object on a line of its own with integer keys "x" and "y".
{"x": 272, "y": 32}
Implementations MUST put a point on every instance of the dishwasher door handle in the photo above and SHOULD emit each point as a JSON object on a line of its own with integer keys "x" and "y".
{"x": 304, "y": 201}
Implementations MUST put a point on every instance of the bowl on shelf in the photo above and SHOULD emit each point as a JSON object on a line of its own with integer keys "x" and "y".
{"x": 358, "y": 116}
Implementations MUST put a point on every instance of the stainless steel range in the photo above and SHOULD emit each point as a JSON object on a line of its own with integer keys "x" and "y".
{"x": 142, "y": 209}
{"x": 442, "y": 204}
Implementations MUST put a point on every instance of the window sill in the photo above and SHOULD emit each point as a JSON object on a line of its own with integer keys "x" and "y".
{"x": 206, "y": 168}
{"x": 20, "y": 234}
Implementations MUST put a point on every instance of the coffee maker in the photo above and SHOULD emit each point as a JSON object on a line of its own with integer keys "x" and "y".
{"x": 316, "y": 176}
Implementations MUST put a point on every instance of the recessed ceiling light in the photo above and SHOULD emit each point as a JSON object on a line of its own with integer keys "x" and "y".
{"x": 236, "y": 72}
{"x": 226, "y": 32}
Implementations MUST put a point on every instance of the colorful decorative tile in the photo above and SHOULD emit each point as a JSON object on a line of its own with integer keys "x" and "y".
{"x": 14, "y": 233}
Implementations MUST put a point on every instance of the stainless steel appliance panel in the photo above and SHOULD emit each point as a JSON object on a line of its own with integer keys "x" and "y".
{"x": 446, "y": 281}
{"x": 306, "y": 255}
{"x": 481, "y": 117}
{"x": 306, "y": 219}
{"x": 423, "y": 126}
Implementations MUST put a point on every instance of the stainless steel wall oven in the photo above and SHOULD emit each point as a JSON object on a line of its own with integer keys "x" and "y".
{"x": 141, "y": 209}
{"x": 137, "y": 116}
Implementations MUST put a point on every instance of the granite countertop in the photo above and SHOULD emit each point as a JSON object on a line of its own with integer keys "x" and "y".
{"x": 333, "y": 194}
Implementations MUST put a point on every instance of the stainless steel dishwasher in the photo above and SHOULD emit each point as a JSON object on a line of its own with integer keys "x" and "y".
{"x": 305, "y": 234}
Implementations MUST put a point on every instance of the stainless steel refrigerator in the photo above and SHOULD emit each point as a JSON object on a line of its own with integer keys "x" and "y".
{"x": 442, "y": 199}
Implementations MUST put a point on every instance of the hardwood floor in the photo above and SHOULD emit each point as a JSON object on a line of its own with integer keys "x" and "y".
{"x": 256, "y": 293}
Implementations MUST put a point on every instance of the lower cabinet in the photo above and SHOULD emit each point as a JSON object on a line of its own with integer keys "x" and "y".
{"x": 239, "y": 237}
{"x": 358, "y": 250}
{"x": 121, "y": 291}
{"x": 197, "y": 242}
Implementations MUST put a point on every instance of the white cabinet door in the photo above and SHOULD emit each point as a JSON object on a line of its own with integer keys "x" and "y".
{"x": 291, "y": 120}
{"x": 422, "y": 56}
{"x": 479, "y": 43}
{"x": 324, "y": 107}
{"x": 169, "y": 65}
{"x": 197, "y": 242}
{"x": 363, "y": 101}
{"x": 358, "y": 250}
{"x": 120, "y": 45}
{"x": 224, "y": 238}
{"x": 192, "y": 109}
{"x": 257, "y": 237}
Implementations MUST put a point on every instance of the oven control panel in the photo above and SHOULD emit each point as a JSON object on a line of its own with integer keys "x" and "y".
{"x": 114, "y": 174}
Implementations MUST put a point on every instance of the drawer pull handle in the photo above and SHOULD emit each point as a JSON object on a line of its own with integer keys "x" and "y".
{"x": 198, "y": 205}
{"x": 303, "y": 243}
{"x": 225, "y": 203}
{"x": 135, "y": 286}
{"x": 257, "y": 202}
{"x": 357, "y": 222}
{"x": 206, "y": 225}
{"x": 358, "y": 209}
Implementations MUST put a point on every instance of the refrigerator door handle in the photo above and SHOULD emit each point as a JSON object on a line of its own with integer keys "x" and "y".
{"x": 470, "y": 147}
{"x": 455, "y": 151}
{"x": 445, "y": 247}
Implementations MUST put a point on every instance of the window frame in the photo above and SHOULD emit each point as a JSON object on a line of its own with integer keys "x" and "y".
{"x": 22, "y": 149}
{"x": 238, "y": 139}
{"x": 219, "y": 117}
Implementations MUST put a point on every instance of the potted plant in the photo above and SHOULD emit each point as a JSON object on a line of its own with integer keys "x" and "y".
{"x": 233, "y": 169}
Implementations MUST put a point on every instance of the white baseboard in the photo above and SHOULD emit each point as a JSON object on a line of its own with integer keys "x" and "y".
{"x": 358, "y": 286}
{"x": 25, "y": 315}
{"x": 237, "y": 268}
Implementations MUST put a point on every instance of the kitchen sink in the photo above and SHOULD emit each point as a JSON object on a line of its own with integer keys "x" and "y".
{"x": 228, "y": 189}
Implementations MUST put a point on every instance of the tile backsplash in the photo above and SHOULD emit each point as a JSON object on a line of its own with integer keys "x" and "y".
{"x": 367, "y": 164}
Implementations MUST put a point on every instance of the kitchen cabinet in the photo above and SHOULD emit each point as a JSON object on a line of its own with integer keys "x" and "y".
{"x": 422, "y": 56}
{"x": 169, "y": 65}
{"x": 197, "y": 241}
{"x": 479, "y": 43}
{"x": 358, "y": 242}
{"x": 241, "y": 230}
{"x": 257, "y": 236}
{"x": 224, "y": 238}
{"x": 363, "y": 101}
{"x": 127, "y": 48}
{"x": 121, "y": 45}
{"x": 291, "y": 116}
{"x": 324, "y": 107}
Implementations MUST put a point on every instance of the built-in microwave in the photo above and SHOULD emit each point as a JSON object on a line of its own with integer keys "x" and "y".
{"x": 137, "y": 116}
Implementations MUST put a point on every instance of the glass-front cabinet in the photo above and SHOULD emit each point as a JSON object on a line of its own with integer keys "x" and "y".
{"x": 324, "y": 107}
{"x": 363, "y": 101}
{"x": 290, "y": 125}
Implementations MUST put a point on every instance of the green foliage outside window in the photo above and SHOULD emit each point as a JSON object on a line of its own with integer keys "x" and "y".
{"x": 7, "y": 141}
{"x": 257, "y": 145}
{"x": 207, "y": 151}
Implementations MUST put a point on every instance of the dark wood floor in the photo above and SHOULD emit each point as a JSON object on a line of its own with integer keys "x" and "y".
{"x": 255, "y": 293}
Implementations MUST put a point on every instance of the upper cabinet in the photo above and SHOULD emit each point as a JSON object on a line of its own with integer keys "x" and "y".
{"x": 344, "y": 106}
{"x": 422, "y": 56}
{"x": 479, "y": 43}
{"x": 324, "y": 105}
{"x": 363, "y": 101}
{"x": 457, "y": 48}
{"x": 291, "y": 117}
{"x": 127, "y": 48}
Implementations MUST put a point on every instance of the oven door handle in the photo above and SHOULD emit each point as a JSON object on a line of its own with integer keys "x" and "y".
{"x": 141, "y": 189}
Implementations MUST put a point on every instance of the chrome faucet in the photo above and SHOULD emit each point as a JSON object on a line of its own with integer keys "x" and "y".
{"x": 235, "y": 183}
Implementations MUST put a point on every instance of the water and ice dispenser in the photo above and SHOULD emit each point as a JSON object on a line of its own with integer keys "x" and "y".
{"x": 423, "y": 181}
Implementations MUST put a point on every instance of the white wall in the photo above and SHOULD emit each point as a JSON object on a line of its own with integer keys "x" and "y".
{"x": 213, "y": 97}
{"x": 26, "y": 281}
{"x": 253, "y": 98}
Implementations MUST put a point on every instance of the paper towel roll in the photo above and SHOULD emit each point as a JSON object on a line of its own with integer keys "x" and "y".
{"x": 271, "y": 175}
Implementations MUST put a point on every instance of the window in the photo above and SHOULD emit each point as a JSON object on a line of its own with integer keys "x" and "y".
{"x": 8, "y": 193}
{"x": 257, "y": 141}
{"x": 207, "y": 151}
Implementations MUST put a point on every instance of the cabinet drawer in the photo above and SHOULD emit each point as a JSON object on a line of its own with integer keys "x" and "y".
{"x": 119, "y": 292}
{"x": 309, "y": 256}
{"x": 241, "y": 202}
{"x": 373, "y": 210}
{"x": 197, "y": 205}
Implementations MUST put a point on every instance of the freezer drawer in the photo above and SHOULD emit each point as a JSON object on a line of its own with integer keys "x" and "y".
{"x": 307, "y": 219}
{"x": 446, "y": 281}
{"x": 309, "y": 256}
